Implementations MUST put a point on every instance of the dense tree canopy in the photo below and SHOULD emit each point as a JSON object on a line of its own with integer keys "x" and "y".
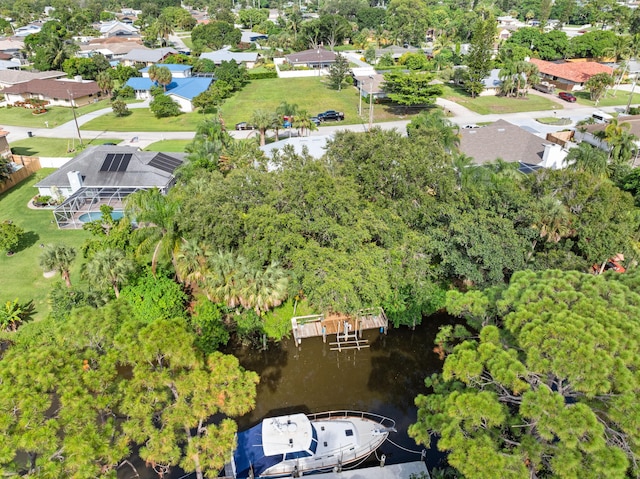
{"x": 543, "y": 384}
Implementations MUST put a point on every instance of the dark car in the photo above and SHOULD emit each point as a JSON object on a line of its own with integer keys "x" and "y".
{"x": 243, "y": 125}
{"x": 567, "y": 96}
{"x": 330, "y": 115}
{"x": 315, "y": 120}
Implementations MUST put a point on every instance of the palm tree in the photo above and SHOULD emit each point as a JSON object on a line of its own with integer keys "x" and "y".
{"x": 302, "y": 122}
{"x": 58, "y": 257}
{"x": 554, "y": 219}
{"x": 164, "y": 28}
{"x": 263, "y": 121}
{"x": 264, "y": 289}
{"x": 163, "y": 77}
{"x": 286, "y": 109}
{"x": 191, "y": 263}
{"x": 434, "y": 122}
{"x": 109, "y": 268}
{"x": 104, "y": 81}
{"x": 156, "y": 215}
{"x": 226, "y": 278}
{"x": 588, "y": 158}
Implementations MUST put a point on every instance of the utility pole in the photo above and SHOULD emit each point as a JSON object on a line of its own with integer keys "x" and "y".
{"x": 75, "y": 118}
{"x": 633, "y": 87}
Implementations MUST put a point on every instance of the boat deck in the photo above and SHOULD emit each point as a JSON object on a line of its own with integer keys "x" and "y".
{"x": 391, "y": 471}
{"x": 346, "y": 328}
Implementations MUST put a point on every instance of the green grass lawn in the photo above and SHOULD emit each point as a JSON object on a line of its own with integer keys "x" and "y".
{"x": 486, "y": 105}
{"x": 142, "y": 119}
{"x": 55, "y": 147}
{"x": 611, "y": 98}
{"x": 57, "y": 115}
{"x": 308, "y": 93}
{"x": 21, "y": 275}
{"x": 176, "y": 146}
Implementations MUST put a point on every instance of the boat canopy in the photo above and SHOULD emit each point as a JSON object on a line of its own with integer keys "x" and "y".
{"x": 287, "y": 434}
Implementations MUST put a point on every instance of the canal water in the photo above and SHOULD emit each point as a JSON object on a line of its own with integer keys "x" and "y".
{"x": 384, "y": 379}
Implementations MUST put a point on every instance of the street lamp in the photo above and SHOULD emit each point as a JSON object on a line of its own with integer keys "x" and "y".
{"x": 360, "y": 101}
{"x": 371, "y": 103}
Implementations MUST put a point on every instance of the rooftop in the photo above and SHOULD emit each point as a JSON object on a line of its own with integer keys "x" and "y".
{"x": 173, "y": 67}
{"x": 55, "y": 88}
{"x": 224, "y": 55}
{"x": 20, "y": 76}
{"x": 143, "y": 169}
{"x": 314, "y": 55}
{"x": 146, "y": 55}
{"x": 502, "y": 140}
{"x": 577, "y": 72}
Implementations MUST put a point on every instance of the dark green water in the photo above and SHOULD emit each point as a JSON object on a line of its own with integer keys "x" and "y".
{"x": 384, "y": 379}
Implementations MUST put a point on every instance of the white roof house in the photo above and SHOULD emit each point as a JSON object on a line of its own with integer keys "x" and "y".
{"x": 247, "y": 59}
{"x": 116, "y": 28}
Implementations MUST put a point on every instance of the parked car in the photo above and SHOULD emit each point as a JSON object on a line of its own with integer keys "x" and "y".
{"x": 545, "y": 87}
{"x": 315, "y": 120}
{"x": 567, "y": 96}
{"x": 330, "y": 115}
{"x": 243, "y": 125}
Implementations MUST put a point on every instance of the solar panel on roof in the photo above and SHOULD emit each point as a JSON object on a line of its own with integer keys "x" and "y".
{"x": 106, "y": 164}
{"x": 165, "y": 162}
{"x": 124, "y": 162}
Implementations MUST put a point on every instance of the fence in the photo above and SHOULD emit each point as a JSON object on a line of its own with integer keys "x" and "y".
{"x": 29, "y": 164}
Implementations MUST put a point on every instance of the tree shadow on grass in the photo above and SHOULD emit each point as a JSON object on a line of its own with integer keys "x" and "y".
{"x": 24, "y": 151}
{"x": 27, "y": 240}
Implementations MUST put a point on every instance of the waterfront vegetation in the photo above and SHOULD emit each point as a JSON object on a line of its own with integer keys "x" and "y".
{"x": 119, "y": 351}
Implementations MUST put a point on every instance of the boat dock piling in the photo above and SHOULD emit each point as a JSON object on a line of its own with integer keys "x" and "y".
{"x": 348, "y": 329}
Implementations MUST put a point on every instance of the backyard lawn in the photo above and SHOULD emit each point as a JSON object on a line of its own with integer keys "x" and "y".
{"x": 55, "y": 147}
{"x": 176, "y": 146}
{"x": 55, "y": 116}
{"x": 22, "y": 276}
{"x": 486, "y": 105}
{"x": 143, "y": 120}
{"x": 310, "y": 94}
{"x": 611, "y": 98}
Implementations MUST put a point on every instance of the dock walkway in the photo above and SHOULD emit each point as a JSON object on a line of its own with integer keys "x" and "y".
{"x": 347, "y": 329}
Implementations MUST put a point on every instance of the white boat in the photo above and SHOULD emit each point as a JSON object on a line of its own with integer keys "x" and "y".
{"x": 300, "y": 444}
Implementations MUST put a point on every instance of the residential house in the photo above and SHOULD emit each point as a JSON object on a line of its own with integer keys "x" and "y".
{"x": 13, "y": 77}
{"x": 27, "y": 30}
{"x": 112, "y": 48}
{"x": 395, "y": 51}
{"x": 510, "y": 143}
{"x": 370, "y": 84}
{"x": 177, "y": 70}
{"x": 569, "y": 76}
{"x": 56, "y": 92}
{"x": 12, "y": 47}
{"x": 312, "y": 58}
{"x": 9, "y": 65}
{"x": 252, "y": 37}
{"x": 116, "y": 28}
{"x": 589, "y": 133}
{"x": 146, "y": 56}
{"x": 106, "y": 175}
{"x": 181, "y": 90}
{"x": 248, "y": 59}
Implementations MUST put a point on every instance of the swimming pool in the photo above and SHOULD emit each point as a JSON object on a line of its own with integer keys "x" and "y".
{"x": 96, "y": 215}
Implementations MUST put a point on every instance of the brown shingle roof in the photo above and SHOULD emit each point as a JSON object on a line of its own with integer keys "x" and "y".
{"x": 577, "y": 72}
{"x": 504, "y": 141}
{"x": 314, "y": 55}
{"x": 634, "y": 122}
{"x": 55, "y": 88}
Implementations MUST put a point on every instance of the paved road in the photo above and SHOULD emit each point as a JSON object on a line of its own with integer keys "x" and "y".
{"x": 460, "y": 115}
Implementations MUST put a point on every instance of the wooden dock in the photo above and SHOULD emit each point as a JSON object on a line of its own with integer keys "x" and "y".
{"x": 347, "y": 329}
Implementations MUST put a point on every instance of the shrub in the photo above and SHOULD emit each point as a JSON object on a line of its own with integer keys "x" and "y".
{"x": 262, "y": 75}
{"x": 162, "y": 106}
{"x": 126, "y": 92}
{"x": 42, "y": 200}
{"x": 10, "y": 235}
{"x": 120, "y": 108}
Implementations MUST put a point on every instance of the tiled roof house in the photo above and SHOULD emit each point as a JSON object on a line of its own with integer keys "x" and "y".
{"x": 56, "y": 92}
{"x": 569, "y": 75}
